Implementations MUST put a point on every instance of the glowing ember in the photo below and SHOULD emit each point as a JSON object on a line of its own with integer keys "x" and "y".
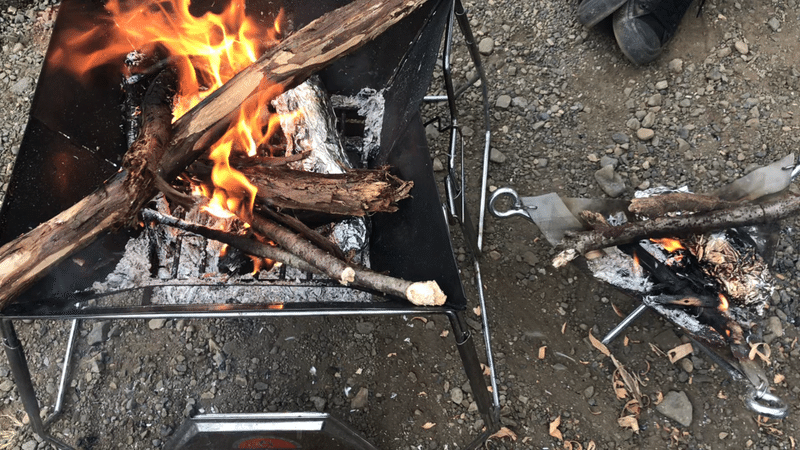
{"x": 669, "y": 244}
{"x": 723, "y": 303}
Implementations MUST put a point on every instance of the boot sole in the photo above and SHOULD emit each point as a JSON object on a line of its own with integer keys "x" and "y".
{"x": 636, "y": 40}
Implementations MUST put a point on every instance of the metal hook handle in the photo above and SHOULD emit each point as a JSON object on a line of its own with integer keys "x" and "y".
{"x": 765, "y": 403}
{"x": 515, "y": 210}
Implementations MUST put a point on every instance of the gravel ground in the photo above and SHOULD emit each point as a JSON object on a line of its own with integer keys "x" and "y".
{"x": 720, "y": 101}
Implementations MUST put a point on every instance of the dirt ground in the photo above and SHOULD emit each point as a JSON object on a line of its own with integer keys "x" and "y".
{"x": 571, "y": 90}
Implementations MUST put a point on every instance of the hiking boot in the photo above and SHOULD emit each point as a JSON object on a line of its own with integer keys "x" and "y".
{"x": 643, "y": 27}
{"x": 591, "y": 12}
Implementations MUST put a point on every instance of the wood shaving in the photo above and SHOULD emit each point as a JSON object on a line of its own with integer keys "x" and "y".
{"x": 554, "y": 431}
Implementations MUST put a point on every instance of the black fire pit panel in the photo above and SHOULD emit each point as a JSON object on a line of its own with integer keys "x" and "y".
{"x": 75, "y": 140}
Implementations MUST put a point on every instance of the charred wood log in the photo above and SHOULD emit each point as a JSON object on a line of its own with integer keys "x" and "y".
{"x": 578, "y": 243}
{"x": 661, "y": 205}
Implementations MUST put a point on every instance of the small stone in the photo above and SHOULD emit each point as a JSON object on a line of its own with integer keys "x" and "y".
{"x": 676, "y": 406}
{"x": 361, "y": 399}
{"x": 723, "y": 435}
{"x": 486, "y": 46}
{"x": 496, "y": 156}
{"x": 654, "y": 100}
{"x": 438, "y": 166}
{"x": 610, "y": 182}
{"x": 503, "y": 101}
{"x": 588, "y": 392}
{"x": 155, "y": 324}
{"x": 365, "y": 327}
{"x": 99, "y": 333}
{"x": 30, "y": 445}
{"x": 456, "y": 395}
{"x": 774, "y": 23}
{"x": 724, "y": 51}
{"x": 6, "y": 385}
{"x": 683, "y": 146}
{"x": 495, "y": 255}
{"x": 620, "y": 138}
{"x": 592, "y": 157}
{"x": 742, "y": 47}
{"x": 608, "y": 161}
{"x": 661, "y": 85}
{"x": 686, "y": 364}
{"x": 319, "y": 403}
{"x": 649, "y": 120}
{"x": 520, "y": 102}
{"x": 531, "y": 258}
{"x": 633, "y": 124}
{"x": 645, "y": 134}
{"x": 774, "y": 326}
{"x": 676, "y": 65}
{"x": 260, "y": 386}
{"x": 432, "y": 132}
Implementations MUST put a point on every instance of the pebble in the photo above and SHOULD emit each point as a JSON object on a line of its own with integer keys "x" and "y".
{"x": 774, "y": 326}
{"x": 609, "y": 161}
{"x": 774, "y": 23}
{"x": 661, "y": 85}
{"x": 610, "y": 182}
{"x": 676, "y": 65}
{"x": 742, "y": 47}
{"x": 676, "y": 406}
{"x": 365, "y": 327}
{"x": 503, "y": 101}
{"x": 496, "y": 156}
{"x": 361, "y": 399}
{"x": 645, "y": 134}
{"x": 486, "y": 46}
{"x": 99, "y": 332}
{"x": 155, "y": 324}
{"x": 456, "y": 395}
{"x": 620, "y": 138}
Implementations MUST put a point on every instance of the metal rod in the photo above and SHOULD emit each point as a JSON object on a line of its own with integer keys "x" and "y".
{"x": 62, "y": 385}
{"x": 626, "y": 322}
{"x": 22, "y": 379}
{"x": 487, "y": 341}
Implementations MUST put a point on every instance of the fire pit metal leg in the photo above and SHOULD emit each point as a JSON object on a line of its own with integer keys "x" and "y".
{"x": 472, "y": 367}
{"x": 23, "y": 381}
{"x": 626, "y": 322}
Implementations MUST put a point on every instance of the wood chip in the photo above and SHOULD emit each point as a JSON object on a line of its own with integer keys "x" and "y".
{"x": 617, "y": 310}
{"x": 755, "y": 350}
{"x": 504, "y": 432}
{"x": 563, "y": 328}
{"x": 421, "y": 319}
{"x": 542, "y": 351}
{"x": 554, "y": 431}
{"x": 486, "y": 370}
{"x": 573, "y": 445}
{"x": 721, "y": 395}
{"x": 477, "y": 311}
{"x": 428, "y": 425}
{"x": 625, "y": 341}
{"x": 629, "y": 422}
{"x": 659, "y": 398}
{"x": 599, "y": 345}
{"x": 591, "y": 446}
{"x": 444, "y": 333}
{"x": 679, "y": 352}
{"x": 778, "y": 378}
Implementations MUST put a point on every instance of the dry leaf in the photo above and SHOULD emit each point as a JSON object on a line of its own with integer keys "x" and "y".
{"x": 428, "y": 425}
{"x": 486, "y": 370}
{"x": 542, "y": 351}
{"x": 657, "y": 350}
{"x": 721, "y": 395}
{"x": 572, "y": 445}
{"x": 591, "y": 446}
{"x": 778, "y": 378}
{"x": 629, "y": 422}
{"x": 616, "y": 310}
{"x": 554, "y": 431}
{"x": 421, "y": 319}
{"x": 679, "y": 352}
{"x": 619, "y": 388}
{"x": 793, "y": 443}
{"x": 504, "y": 432}
{"x": 422, "y": 394}
{"x": 659, "y": 398}
{"x": 625, "y": 341}
{"x": 391, "y": 354}
{"x": 445, "y": 333}
{"x": 477, "y": 311}
{"x": 599, "y": 345}
{"x": 754, "y": 351}
{"x": 563, "y": 328}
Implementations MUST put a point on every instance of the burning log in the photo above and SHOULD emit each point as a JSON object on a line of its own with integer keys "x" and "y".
{"x": 421, "y": 293}
{"x": 578, "y": 243}
{"x": 335, "y": 34}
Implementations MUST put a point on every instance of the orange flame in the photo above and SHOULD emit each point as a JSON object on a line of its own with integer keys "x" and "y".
{"x": 637, "y": 267}
{"x": 723, "y": 303}
{"x": 669, "y": 244}
{"x": 207, "y": 51}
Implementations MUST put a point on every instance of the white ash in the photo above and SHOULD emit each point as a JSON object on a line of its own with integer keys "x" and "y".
{"x": 370, "y": 104}
{"x": 618, "y": 269}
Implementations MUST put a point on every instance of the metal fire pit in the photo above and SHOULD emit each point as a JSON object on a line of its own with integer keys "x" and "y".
{"x": 75, "y": 140}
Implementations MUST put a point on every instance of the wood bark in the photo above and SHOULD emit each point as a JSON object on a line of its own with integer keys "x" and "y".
{"x": 578, "y": 243}
{"x": 333, "y": 35}
{"x": 661, "y": 205}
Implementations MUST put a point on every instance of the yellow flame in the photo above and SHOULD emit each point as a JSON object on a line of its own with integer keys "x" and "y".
{"x": 723, "y": 303}
{"x": 669, "y": 244}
